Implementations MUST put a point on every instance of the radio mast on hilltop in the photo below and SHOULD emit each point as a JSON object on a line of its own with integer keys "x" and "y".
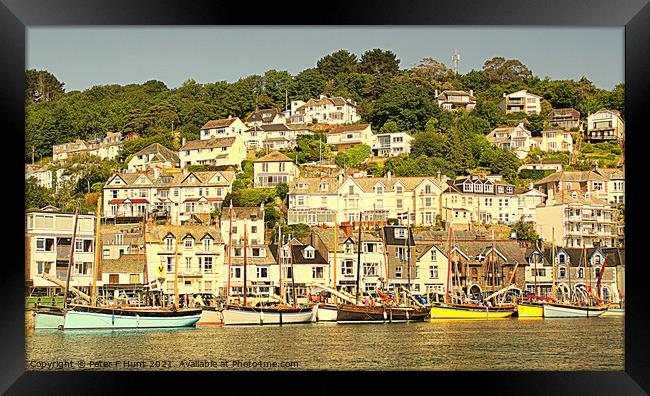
{"x": 456, "y": 59}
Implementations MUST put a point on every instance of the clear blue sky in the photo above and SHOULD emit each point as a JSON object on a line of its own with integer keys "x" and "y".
{"x": 86, "y": 56}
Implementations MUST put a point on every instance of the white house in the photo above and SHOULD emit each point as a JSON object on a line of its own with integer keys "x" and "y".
{"x": 451, "y": 100}
{"x": 272, "y": 169}
{"x": 521, "y": 101}
{"x": 391, "y": 144}
{"x": 265, "y": 116}
{"x": 517, "y": 139}
{"x": 154, "y": 154}
{"x": 324, "y": 110}
{"x": 346, "y": 136}
{"x": 222, "y": 151}
{"x": 605, "y": 125}
{"x": 222, "y": 128}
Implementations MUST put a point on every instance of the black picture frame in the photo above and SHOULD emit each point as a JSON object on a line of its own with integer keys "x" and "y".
{"x": 16, "y": 15}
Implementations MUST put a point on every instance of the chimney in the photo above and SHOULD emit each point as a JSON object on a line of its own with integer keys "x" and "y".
{"x": 471, "y": 92}
{"x": 182, "y": 142}
{"x": 347, "y": 229}
{"x": 340, "y": 177}
{"x": 156, "y": 172}
{"x": 388, "y": 175}
{"x": 530, "y": 185}
{"x": 436, "y": 94}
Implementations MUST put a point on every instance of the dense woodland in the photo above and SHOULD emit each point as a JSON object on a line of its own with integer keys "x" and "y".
{"x": 389, "y": 97}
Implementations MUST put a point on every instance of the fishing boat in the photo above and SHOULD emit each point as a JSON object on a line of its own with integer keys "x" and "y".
{"x": 469, "y": 311}
{"x": 245, "y": 315}
{"x": 48, "y": 317}
{"x": 558, "y": 310}
{"x": 612, "y": 311}
{"x": 530, "y": 310}
{"x": 349, "y": 313}
{"x": 210, "y": 316}
{"x": 327, "y": 312}
{"x": 82, "y": 317}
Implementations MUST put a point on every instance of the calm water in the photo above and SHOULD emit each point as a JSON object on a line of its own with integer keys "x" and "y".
{"x": 551, "y": 344}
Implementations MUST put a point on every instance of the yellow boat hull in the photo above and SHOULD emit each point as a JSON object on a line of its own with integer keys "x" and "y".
{"x": 530, "y": 311}
{"x": 459, "y": 313}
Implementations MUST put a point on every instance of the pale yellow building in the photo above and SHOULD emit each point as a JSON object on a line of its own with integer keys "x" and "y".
{"x": 346, "y": 136}
{"x": 556, "y": 140}
{"x": 272, "y": 169}
{"x": 217, "y": 151}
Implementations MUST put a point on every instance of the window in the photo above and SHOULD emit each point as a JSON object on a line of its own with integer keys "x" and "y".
{"x": 427, "y": 201}
{"x": 207, "y": 264}
{"x": 237, "y": 252}
{"x": 234, "y": 229}
{"x": 45, "y": 244}
{"x": 351, "y": 190}
{"x": 113, "y": 279}
{"x": 400, "y": 233}
{"x": 348, "y": 247}
{"x": 433, "y": 271}
{"x": 207, "y": 243}
{"x": 188, "y": 263}
{"x": 346, "y": 267}
{"x": 309, "y": 253}
{"x": 43, "y": 267}
{"x": 581, "y": 273}
{"x": 107, "y": 253}
{"x": 170, "y": 264}
{"x": 400, "y": 252}
{"x": 399, "y": 189}
{"x": 379, "y": 190}
{"x": 189, "y": 243}
{"x": 253, "y": 229}
{"x": 134, "y": 279}
{"x": 256, "y": 252}
{"x": 317, "y": 272}
{"x": 235, "y": 272}
{"x": 399, "y": 204}
{"x": 596, "y": 273}
{"x": 427, "y": 189}
{"x": 119, "y": 239}
{"x": 78, "y": 245}
{"x": 433, "y": 255}
{"x": 169, "y": 243}
{"x": 398, "y": 272}
{"x": 262, "y": 272}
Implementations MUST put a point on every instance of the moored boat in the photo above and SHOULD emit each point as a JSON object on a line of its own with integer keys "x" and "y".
{"x": 244, "y": 315}
{"x": 326, "y": 312}
{"x": 349, "y": 313}
{"x": 613, "y": 312}
{"x": 555, "y": 310}
{"x": 47, "y": 317}
{"x": 530, "y": 310}
{"x": 469, "y": 311}
{"x": 210, "y": 316}
{"x": 82, "y": 317}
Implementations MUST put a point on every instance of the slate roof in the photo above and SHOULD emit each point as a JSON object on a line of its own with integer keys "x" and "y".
{"x": 571, "y": 176}
{"x": 241, "y": 212}
{"x": 219, "y": 123}
{"x": 175, "y": 178}
{"x": 326, "y": 235}
{"x": 263, "y": 115}
{"x": 157, "y": 233}
{"x": 274, "y": 156}
{"x": 127, "y": 263}
{"x": 348, "y": 128}
{"x": 298, "y": 257}
{"x": 162, "y": 152}
{"x": 213, "y": 142}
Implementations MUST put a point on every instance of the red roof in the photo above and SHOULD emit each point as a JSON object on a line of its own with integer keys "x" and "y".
{"x": 115, "y": 201}
{"x": 138, "y": 200}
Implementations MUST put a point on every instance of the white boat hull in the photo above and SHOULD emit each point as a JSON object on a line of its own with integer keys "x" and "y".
{"x": 327, "y": 313}
{"x": 45, "y": 320}
{"x": 75, "y": 320}
{"x": 559, "y": 311}
{"x": 244, "y": 317}
{"x": 210, "y": 317}
{"x": 613, "y": 312}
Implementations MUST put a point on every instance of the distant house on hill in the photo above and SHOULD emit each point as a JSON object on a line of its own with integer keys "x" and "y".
{"x": 154, "y": 154}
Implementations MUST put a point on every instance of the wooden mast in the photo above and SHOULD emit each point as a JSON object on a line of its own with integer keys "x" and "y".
{"x": 229, "y": 255}
{"x": 535, "y": 270}
{"x": 588, "y": 271}
{"x": 408, "y": 252}
{"x": 280, "y": 260}
{"x": 245, "y": 248}
{"x": 293, "y": 276}
{"x": 93, "y": 294}
{"x": 358, "y": 258}
{"x": 336, "y": 245}
{"x": 554, "y": 291}
{"x": 448, "y": 291}
{"x": 146, "y": 267}
{"x": 70, "y": 261}
{"x": 176, "y": 300}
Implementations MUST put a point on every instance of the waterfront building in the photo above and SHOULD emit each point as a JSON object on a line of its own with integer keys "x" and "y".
{"x": 605, "y": 125}
{"x": 191, "y": 254}
{"x": 217, "y": 151}
{"x": 169, "y": 194}
{"x": 324, "y": 200}
{"x": 346, "y": 245}
{"x": 250, "y": 216}
{"x": 521, "y": 101}
{"x": 565, "y": 182}
{"x": 122, "y": 277}
{"x": 272, "y": 169}
{"x": 391, "y": 144}
{"x": 567, "y": 119}
{"x": 579, "y": 269}
{"x": 451, "y": 100}
{"x": 324, "y": 110}
{"x": 48, "y": 245}
{"x": 556, "y": 140}
{"x": 154, "y": 155}
{"x": 347, "y": 136}
{"x": 578, "y": 220}
{"x": 516, "y": 139}
{"x": 265, "y": 117}
{"x": 227, "y": 127}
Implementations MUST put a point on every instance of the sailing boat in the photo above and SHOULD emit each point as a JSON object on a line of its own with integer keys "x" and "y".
{"x": 461, "y": 310}
{"x": 532, "y": 308}
{"x": 569, "y": 309}
{"x": 280, "y": 314}
{"x": 91, "y": 317}
{"x": 359, "y": 313}
{"x": 327, "y": 312}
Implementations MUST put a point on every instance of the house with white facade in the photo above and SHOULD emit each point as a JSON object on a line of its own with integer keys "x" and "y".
{"x": 391, "y": 144}
{"x": 346, "y": 136}
{"x": 154, "y": 155}
{"x": 222, "y": 128}
{"x": 48, "y": 246}
{"x": 615, "y": 183}
{"x": 174, "y": 194}
{"x": 273, "y": 136}
{"x": 605, "y": 125}
{"x": 107, "y": 148}
{"x": 334, "y": 200}
{"x": 556, "y": 140}
{"x": 516, "y": 139}
{"x": 324, "y": 110}
{"x": 567, "y": 119}
{"x": 521, "y": 101}
{"x": 216, "y": 151}
{"x": 272, "y": 169}
{"x": 452, "y": 100}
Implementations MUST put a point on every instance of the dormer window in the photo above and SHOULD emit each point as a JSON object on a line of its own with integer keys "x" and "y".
{"x": 169, "y": 243}
{"x": 189, "y": 243}
{"x": 309, "y": 252}
{"x": 379, "y": 190}
{"x": 323, "y": 186}
{"x": 400, "y": 233}
{"x": 399, "y": 189}
{"x": 427, "y": 189}
{"x": 348, "y": 247}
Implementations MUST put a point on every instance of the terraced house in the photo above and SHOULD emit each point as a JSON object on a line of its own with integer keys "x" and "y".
{"x": 192, "y": 254}
{"x": 558, "y": 184}
{"x": 175, "y": 194}
{"x": 216, "y": 151}
{"x": 318, "y": 201}
{"x": 484, "y": 200}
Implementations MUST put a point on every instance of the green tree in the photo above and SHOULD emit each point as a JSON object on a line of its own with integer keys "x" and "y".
{"x": 378, "y": 61}
{"x": 501, "y": 70}
{"x": 341, "y": 61}
{"x": 525, "y": 231}
{"x": 353, "y": 157}
{"x": 42, "y": 86}
{"x": 36, "y": 196}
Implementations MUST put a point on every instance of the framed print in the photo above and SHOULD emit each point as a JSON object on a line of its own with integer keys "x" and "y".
{"x": 423, "y": 194}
